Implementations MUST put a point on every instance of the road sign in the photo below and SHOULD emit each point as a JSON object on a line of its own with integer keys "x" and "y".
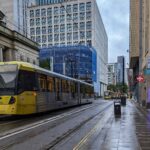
{"x": 140, "y": 78}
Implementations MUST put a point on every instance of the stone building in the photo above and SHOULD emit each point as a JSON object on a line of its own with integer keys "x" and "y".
{"x": 16, "y": 47}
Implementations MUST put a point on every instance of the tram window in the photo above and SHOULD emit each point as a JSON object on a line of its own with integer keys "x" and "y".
{"x": 67, "y": 86}
{"x": 58, "y": 83}
{"x": 50, "y": 81}
{"x": 42, "y": 82}
{"x": 63, "y": 82}
{"x": 73, "y": 87}
{"x": 82, "y": 90}
{"x": 27, "y": 81}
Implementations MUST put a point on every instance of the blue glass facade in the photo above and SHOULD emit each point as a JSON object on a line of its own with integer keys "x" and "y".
{"x": 74, "y": 61}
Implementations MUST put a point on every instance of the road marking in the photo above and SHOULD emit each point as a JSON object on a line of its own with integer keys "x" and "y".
{"x": 38, "y": 124}
{"x": 90, "y": 133}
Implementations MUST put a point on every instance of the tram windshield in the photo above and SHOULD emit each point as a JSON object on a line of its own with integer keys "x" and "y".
{"x": 8, "y": 75}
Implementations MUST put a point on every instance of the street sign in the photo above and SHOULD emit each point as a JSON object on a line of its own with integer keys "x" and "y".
{"x": 140, "y": 78}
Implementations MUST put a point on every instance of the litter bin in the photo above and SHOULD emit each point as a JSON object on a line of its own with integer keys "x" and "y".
{"x": 123, "y": 101}
{"x": 117, "y": 108}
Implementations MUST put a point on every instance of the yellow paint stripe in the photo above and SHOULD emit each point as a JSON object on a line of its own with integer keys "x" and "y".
{"x": 84, "y": 140}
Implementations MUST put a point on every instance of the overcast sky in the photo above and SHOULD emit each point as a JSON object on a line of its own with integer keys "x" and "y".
{"x": 115, "y": 15}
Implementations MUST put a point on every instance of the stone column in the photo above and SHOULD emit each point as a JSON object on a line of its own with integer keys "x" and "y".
{"x": 1, "y": 54}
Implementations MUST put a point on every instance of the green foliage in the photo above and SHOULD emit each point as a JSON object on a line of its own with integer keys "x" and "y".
{"x": 122, "y": 88}
{"x": 45, "y": 64}
{"x": 112, "y": 87}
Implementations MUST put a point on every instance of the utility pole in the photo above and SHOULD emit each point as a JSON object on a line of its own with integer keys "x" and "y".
{"x": 140, "y": 47}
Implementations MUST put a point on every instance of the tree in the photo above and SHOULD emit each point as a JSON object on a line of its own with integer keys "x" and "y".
{"x": 122, "y": 88}
{"x": 112, "y": 87}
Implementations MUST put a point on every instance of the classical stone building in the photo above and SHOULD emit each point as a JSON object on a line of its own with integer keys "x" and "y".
{"x": 16, "y": 47}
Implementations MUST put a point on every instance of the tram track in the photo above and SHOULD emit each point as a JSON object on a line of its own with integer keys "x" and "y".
{"x": 75, "y": 129}
{"x": 12, "y": 120}
{"x": 61, "y": 118}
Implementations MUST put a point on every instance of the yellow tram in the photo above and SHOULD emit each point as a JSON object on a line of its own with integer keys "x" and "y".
{"x": 28, "y": 89}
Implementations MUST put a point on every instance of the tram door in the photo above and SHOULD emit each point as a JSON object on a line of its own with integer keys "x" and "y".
{"x": 58, "y": 89}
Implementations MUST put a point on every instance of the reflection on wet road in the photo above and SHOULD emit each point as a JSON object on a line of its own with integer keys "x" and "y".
{"x": 93, "y": 128}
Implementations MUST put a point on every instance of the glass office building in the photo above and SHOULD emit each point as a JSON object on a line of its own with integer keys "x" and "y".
{"x": 74, "y": 61}
{"x": 61, "y": 23}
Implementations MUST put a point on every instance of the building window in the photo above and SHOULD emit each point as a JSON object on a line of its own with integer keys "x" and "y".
{"x": 89, "y": 42}
{"x": 33, "y": 38}
{"x": 62, "y": 10}
{"x": 88, "y": 34}
{"x": 50, "y": 38}
{"x": 82, "y": 35}
{"x": 37, "y": 21}
{"x": 56, "y": 19}
{"x": 50, "y": 45}
{"x": 37, "y": 13}
{"x": 44, "y": 39}
{"x": 44, "y": 45}
{"x": 56, "y": 37}
{"x": 49, "y": 20}
{"x": 38, "y": 39}
{"x": 21, "y": 57}
{"x": 31, "y": 13}
{"x": 69, "y": 27}
{"x": 69, "y": 43}
{"x": 82, "y": 16}
{"x": 62, "y": 37}
{"x": 88, "y": 6}
{"x": 31, "y": 22}
{"x": 62, "y": 44}
{"x": 68, "y": 8}
{"x": 82, "y": 42}
{"x": 43, "y": 21}
{"x": 32, "y": 31}
{"x": 88, "y": 15}
{"x": 43, "y": 30}
{"x": 43, "y": 12}
{"x": 62, "y": 19}
{"x": 69, "y": 36}
{"x": 49, "y": 11}
{"x": 49, "y": 29}
{"x": 75, "y": 17}
{"x": 28, "y": 59}
{"x": 75, "y": 8}
{"x": 82, "y": 7}
{"x": 75, "y": 27}
{"x": 82, "y": 26}
{"x": 75, "y": 36}
{"x": 56, "y": 10}
{"x": 69, "y": 17}
{"x": 89, "y": 25}
{"x": 56, "y": 28}
{"x": 75, "y": 43}
{"x": 38, "y": 30}
{"x": 62, "y": 28}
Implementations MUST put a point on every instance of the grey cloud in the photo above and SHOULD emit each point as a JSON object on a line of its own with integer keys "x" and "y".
{"x": 115, "y": 15}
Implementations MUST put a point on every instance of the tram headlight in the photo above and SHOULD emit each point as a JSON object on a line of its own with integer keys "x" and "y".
{"x": 12, "y": 100}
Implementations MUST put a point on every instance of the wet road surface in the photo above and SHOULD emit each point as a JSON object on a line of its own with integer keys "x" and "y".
{"x": 92, "y": 127}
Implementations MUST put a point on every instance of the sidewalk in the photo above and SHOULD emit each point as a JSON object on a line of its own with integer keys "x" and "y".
{"x": 122, "y": 134}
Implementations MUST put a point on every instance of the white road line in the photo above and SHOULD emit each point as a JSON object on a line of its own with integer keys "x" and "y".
{"x": 38, "y": 124}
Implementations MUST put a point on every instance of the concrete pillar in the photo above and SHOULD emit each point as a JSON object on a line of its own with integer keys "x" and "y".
{"x": 1, "y": 54}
